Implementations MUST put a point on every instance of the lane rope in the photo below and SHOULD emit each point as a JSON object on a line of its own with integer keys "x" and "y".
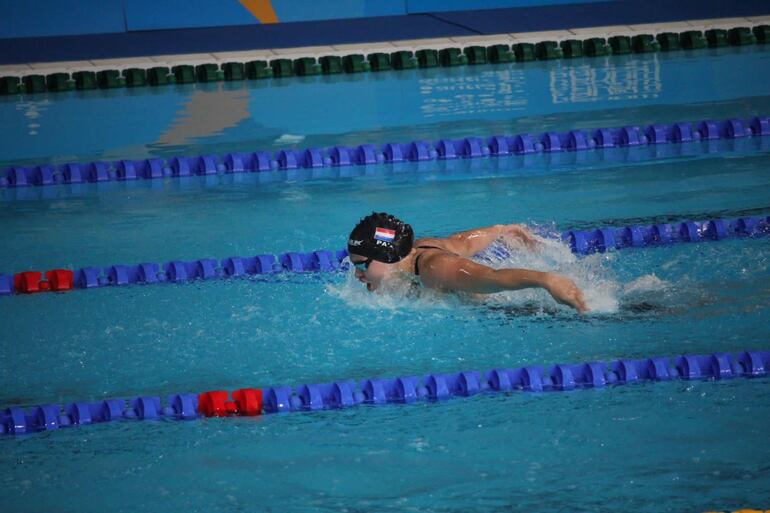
{"x": 390, "y": 153}
{"x": 250, "y": 402}
{"x": 176, "y": 271}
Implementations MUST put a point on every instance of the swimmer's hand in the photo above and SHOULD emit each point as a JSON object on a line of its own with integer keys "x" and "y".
{"x": 565, "y": 292}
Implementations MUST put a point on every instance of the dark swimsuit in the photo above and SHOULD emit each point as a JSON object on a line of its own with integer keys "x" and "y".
{"x": 416, "y": 285}
{"x": 417, "y": 259}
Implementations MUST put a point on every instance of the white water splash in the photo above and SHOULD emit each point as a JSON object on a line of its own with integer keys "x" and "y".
{"x": 645, "y": 284}
{"x": 394, "y": 295}
{"x": 591, "y": 274}
{"x": 289, "y": 139}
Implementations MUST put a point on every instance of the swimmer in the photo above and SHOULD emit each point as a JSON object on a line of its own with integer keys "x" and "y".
{"x": 382, "y": 247}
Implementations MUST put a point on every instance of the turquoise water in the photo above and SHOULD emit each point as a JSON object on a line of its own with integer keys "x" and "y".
{"x": 648, "y": 447}
{"x": 384, "y": 107}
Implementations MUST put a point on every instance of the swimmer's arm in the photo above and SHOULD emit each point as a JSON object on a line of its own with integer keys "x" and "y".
{"x": 456, "y": 274}
{"x": 471, "y": 242}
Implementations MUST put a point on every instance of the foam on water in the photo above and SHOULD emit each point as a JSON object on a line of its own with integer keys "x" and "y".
{"x": 289, "y": 139}
{"x": 592, "y": 274}
{"x": 645, "y": 284}
{"x": 605, "y": 293}
{"x": 394, "y": 295}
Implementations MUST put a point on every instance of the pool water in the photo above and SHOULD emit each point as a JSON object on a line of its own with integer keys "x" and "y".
{"x": 648, "y": 447}
{"x": 394, "y": 106}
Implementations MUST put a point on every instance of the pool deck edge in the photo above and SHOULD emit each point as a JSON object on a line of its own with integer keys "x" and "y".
{"x": 372, "y": 47}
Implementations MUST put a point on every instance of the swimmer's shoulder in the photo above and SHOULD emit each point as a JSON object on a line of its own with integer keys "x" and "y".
{"x": 435, "y": 266}
{"x": 433, "y": 243}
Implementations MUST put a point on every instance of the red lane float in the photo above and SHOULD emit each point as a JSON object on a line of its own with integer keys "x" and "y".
{"x": 248, "y": 401}
{"x": 60, "y": 280}
{"x": 216, "y": 403}
{"x": 28, "y": 282}
{"x": 31, "y": 282}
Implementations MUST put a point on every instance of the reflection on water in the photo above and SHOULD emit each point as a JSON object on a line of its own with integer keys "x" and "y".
{"x": 612, "y": 80}
{"x": 206, "y": 114}
{"x": 389, "y": 106}
{"x": 474, "y": 93}
{"x": 518, "y": 88}
{"x": 32, "y": 109}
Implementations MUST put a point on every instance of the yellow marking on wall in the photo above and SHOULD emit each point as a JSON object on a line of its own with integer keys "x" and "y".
{"x": 261, "y": 10}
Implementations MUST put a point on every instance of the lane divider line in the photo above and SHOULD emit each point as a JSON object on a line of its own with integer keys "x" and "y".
{"x": 389, "y": 153}
{"x": 580, "y": 241}
{"x": 252, "y": 402}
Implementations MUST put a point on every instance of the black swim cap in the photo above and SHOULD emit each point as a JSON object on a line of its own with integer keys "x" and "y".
{"x": 381, "y": 237}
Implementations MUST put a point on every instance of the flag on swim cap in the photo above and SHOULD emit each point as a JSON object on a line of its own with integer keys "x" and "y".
{"x": 381, "y": 237}
{"x": 384, "y": 234}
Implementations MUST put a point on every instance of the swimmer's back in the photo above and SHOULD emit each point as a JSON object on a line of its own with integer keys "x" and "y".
{"x": 426, "y": 246}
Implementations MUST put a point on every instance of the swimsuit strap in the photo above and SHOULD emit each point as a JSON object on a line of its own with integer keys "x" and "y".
{"x": 417, "y": 259}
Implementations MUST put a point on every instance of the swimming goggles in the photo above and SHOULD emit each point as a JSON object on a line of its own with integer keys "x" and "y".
{"x": 363, "y": 265}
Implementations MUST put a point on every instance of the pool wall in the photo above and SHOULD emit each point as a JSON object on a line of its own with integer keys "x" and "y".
{"x": 45, "y": 31}
{"x": 76, "y": 17}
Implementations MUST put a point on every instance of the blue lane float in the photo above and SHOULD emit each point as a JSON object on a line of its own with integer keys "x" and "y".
{"x": 600, "y": 240}
{"x": 392, "y": 153}
{"x": 17, "y": 420}
{"x": 177, "y": 271}
{"x": 582, "y": 242}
